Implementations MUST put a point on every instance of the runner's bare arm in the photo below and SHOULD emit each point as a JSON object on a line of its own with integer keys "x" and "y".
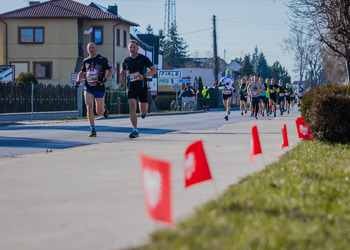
{"x": 122, "y": 76}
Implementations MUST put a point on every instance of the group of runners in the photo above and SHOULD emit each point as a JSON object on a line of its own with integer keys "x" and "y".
{"x": 264, "y": 95}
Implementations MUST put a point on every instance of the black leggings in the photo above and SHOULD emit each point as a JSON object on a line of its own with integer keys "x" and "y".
{"x": 255, "y": 104}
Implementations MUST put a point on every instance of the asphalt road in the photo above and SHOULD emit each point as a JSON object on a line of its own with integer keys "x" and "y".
{"x": 36, "y": 137}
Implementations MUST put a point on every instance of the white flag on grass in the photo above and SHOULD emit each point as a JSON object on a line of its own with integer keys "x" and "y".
{"x": 87, "y": 32}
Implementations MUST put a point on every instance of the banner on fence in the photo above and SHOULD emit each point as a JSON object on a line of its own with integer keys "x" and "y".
{"x": 7, "y": 73}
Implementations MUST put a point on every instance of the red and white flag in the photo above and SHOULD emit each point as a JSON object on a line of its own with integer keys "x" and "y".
{"x": 156, "y": 184}
{"x": 196, "y": 164}
{"x": 285, "y": 142}
{"x": 304, "y": 131}
{"x": 255, "y": 147}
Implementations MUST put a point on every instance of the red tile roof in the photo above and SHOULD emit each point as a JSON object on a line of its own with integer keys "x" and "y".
{"x": 63, "y": 9}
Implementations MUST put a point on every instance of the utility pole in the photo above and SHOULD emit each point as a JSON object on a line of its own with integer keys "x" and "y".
{"x": 216, "y": 67}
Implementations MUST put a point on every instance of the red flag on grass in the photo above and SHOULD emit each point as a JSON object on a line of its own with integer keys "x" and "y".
{"x": 255, "y": 147}
{"x": 304, "y": 131}
{"x": 156, "y": 186}
{"x": 285, "y": 142}
{"x": 196, "y": 164}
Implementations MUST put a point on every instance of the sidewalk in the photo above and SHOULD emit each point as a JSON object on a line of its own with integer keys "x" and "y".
{"x": 91, "y": 197}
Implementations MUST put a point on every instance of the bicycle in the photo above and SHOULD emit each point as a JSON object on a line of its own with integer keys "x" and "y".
{"x": 175, "y": 105}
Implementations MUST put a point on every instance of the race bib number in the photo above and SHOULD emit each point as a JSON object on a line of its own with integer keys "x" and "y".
{"x": 92, "y": 79}
{"x": 133, "y": 76}
{"x": 281, "y": 94}
{"x": 227, "y": 92}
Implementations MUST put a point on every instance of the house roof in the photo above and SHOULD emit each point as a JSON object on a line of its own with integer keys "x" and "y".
{"x": 63, "y": 9}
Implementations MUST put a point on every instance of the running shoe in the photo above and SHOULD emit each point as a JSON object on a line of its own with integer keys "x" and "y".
{"x": 134, "y": 134}
{"x": 262, "y": 113}
{"x": 226, "y": 117}
{"x": 92, "y": 133}
{"x": 251, "y": 115}
{"x": 106, "y": 113}
{"x": 143, "y": 116}
{"x": 241, "y": 113}
{"x": 255, "y": 117}
{"x": 245, "y": 111}
{"x": 274, "y": 114}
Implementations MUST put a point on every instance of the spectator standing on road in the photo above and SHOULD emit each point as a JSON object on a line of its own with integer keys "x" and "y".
{"x": 134, "y": 69}
{"x": 206, "y": 98}
{"x": 228, "y": 88}
{"x": 254, "y": 90}
{"x": 94, "y": 66}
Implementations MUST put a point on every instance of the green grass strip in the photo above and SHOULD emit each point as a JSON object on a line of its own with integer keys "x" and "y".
{"x": 300, "y": 202}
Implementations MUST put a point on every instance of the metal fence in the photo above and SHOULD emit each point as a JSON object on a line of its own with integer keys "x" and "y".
{"x": 22, "y": 97}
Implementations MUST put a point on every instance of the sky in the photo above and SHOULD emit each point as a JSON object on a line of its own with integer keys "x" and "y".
{"x": 241, "y": 25}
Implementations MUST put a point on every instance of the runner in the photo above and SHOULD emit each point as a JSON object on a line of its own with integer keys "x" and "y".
{"x": 254, "y": 90}
{"x": 243, "y": 96}
{"x": 134, "y": 67}
{"x": 300, "y": 93}
{"x": 262, "y": 103}
{"x": 228, "y": 88}
{"x": 94, "y": 67}
{"x": 267, "y": 102}
{"x": 273, "y": 89}
{"x": 281, "y": 96}
{"x": 289, "y": 96}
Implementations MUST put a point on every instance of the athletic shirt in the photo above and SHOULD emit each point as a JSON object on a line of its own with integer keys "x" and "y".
{"x": 282, "y": 90}
{"x": 255, "y": 88}
{"x": 242, "y": 91}
{"x": 135, "y": 66}
{"x": 300, "y": 92}
{"x": 272, "y": 90}
{"x": 95, "y": 69}
{"x": 289, "y": 91}
{"x": 265, "y": 87}
{"x": 227, "y": 82}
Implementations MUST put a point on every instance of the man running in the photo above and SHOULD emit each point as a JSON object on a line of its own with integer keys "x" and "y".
{"x": 135, "y": 67}
{"x": 262, "y": 96}
{"x": 94, "y": 67}
{"x": 289, "y": 96}
{"x": 300, "y": 93}
{"x": 243, "y": 96}
{"x": 273, "y": 89}
{"x": 227, "y": 82}
{"x": 281, "y": 96}
{"x": 267, "y": 100}
{"x": 254, "y": 90}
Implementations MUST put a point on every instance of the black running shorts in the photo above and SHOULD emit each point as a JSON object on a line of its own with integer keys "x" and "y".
{"x": 138, "y": 92}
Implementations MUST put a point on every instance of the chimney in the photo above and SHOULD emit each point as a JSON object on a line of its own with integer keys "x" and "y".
{"x": 31, "y": 3}
{"x": 113, "y": 10}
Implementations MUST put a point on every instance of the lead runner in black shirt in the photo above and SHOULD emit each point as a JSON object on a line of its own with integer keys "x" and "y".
{"x": 94, "y": 67}
{"x": 135, "y": 68}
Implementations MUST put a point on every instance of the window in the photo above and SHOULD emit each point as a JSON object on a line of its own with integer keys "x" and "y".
{"x": 125, "y": 39}
{"x": 31, "y": 35}
{"x": 97, "y": 35}
{"x": 43, "y": 70}
{"x": 118, "y": 37}
{"x": 20, "y": 67}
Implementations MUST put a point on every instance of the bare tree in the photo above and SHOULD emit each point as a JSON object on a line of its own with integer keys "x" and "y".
{"x": 299, "y": 43}
{"x": 334, "y": 67}
{"x": 328, "y": 21}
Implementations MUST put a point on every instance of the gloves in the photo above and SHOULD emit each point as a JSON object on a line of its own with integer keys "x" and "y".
{"x": 76, "y": 85}
{"x": 101, "y": 82}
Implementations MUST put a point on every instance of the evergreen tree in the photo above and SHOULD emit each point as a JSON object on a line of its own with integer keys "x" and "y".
{"x": 261, "y": 66}
{"x": 174, "y": 48}
{"x": 280, "y": 73}
{"x": 161, "y": 37}
{"x": 255, "y": 57}
{"x": 149, "y": 30}
{"x": 247, "y": 68}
